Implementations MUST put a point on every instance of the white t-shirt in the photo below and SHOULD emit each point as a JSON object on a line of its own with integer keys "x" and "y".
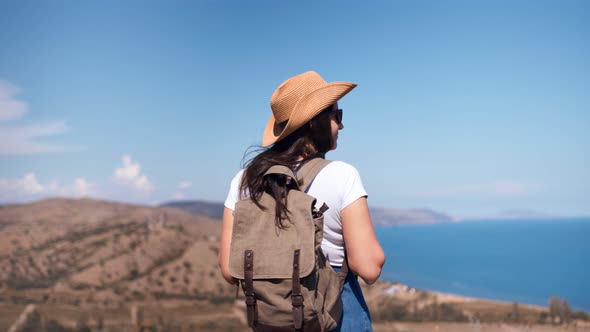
{"x": 338, "y": 185}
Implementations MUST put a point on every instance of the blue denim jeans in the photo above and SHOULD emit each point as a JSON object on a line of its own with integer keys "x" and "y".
{"x": 355, "y": 313}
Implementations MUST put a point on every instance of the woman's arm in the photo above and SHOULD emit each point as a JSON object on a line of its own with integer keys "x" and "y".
{"x": 365, "y": 255}
{"x": 224, "y": 243}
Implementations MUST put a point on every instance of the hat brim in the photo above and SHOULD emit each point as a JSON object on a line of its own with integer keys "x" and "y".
{"x": 309, "y": 106}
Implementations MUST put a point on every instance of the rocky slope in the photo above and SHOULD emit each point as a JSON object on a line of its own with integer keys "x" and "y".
{"x": 120, "y": 252}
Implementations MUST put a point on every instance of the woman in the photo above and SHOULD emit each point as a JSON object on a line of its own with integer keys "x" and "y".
{"x": 305, "y": 124}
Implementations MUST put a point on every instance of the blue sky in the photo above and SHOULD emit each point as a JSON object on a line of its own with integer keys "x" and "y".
{"x": 468, "y": 108}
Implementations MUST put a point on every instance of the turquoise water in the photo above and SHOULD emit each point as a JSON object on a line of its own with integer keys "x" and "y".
{"x": 525, "y": 261}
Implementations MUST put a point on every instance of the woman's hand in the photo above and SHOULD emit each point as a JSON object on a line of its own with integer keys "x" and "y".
{"x": 365, "y": 255}
{"x": 224, "y": 244}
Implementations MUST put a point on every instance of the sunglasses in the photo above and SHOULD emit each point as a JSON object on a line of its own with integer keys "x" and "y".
{"x": 337, "y": 115}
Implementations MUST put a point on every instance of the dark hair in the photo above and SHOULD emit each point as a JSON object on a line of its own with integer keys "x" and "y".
{"x": 313, "y": 139}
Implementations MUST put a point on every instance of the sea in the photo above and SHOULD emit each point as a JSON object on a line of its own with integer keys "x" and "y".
{"x": 525, "y": 261}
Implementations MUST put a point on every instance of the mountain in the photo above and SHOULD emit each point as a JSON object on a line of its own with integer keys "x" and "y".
{"x": 522, "y": 214}
{"x": 211, "y": 209}
{"x": 121, "y": 252}
{"x": 396, "y": 217}
{"x": 515, "y": 214}
{"x": 380, "y": 216}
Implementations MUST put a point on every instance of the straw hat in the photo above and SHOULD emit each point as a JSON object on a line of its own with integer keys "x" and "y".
{"x": 298, "y": 100}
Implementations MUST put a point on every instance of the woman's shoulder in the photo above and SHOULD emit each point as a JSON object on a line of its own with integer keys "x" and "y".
{"x": 234, "y": 191}
{"x": 236, "y": 180}
{"x": 238, "y": 176}
{"x": 340, "y": 171}
{"x": 341, "y": 166}
{"x": 344, "y": 179}
{"x": 335, "y": 167}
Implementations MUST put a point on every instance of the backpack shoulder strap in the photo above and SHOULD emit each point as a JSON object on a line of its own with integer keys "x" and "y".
{"x": 282, "y": 170}
{"x": 309, "y": 171}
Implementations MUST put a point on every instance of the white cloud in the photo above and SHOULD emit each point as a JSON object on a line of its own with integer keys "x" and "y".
{"x": 29, "y": 184}
{"x": 185, "y": 185}
{"x": 130, "y": 176}
{"x": 29, "y": 187}
{"x": 24, "y": 139}
{"x": 82, "y": 188}
{"x": 10, "y": 107}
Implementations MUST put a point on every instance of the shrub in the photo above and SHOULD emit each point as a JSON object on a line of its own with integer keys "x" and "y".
{"x": 580, "y": 315}
{"x": 542, "y": 319}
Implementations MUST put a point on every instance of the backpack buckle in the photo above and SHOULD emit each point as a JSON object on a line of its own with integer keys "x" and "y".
{"x": 252, "y": 312}
{"x": 250, "y": 300}
{"x": 297, "y": 300}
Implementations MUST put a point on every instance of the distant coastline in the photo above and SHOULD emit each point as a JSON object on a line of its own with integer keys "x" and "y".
{"x": 389, "y": 216}
{"x": 497, "y": 259}
{"x": 424, "y": 218}
{"x": 103, "y": 257}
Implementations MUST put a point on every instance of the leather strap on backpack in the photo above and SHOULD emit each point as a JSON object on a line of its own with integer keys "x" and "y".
{"x": 249, "y": 287}
{"x": 308, "y": 172}
{"x": 296, "y": 296}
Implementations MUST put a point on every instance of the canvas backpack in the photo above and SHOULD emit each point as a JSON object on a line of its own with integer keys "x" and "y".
{"x": 288, "y": 283}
